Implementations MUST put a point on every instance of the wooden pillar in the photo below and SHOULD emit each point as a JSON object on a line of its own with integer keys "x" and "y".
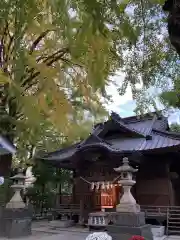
{"x": 118, "y": 194}
{"x": 170, "y": 187}
{"x": 74, "y": 187}
{"x": 114, "y": 195}
{"x": 58, "y": 189}
{"x": 81, "y": 212}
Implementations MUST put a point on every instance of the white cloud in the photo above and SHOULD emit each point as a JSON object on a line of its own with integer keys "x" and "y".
{"x": 174, "y": 117}
{"x": 125, "y": 105}
{"x": 119, "y": 101}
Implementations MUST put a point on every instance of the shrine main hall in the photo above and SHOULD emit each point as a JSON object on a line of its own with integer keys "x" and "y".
{"x": 148, "y": 144}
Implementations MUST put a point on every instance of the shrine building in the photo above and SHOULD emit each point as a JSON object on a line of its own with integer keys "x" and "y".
{"x": 6, "y": 151}
{"x": 148, "y": 144}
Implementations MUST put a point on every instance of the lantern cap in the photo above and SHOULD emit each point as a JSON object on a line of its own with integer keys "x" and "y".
{"x": 18, "y": 176}
{"x": 125, "y": 167}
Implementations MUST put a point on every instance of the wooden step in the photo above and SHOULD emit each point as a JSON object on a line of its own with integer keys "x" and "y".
{"x": 174, "y": 227}
{"x": 174, "y": 214}
{"x": 174, "y": 220}
{"x": 174, "y": 223}
{"x": 173, "y": 231}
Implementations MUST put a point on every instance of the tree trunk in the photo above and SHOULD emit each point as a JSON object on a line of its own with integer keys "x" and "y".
{"x": 173, "y": 8}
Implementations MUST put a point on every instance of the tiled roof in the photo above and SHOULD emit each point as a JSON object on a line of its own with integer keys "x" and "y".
{"x": 152, "y": 126}
{"x": 6, "y": 147}
{"x": 141, "y": 144}
{"x": 124, "y": 124}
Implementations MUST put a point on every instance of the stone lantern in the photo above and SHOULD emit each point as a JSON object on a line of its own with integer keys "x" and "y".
{"x": 18, "y": 185}
{"x": 17, "y": 217}
{"x": 128, "y": 220}
{"x": 127, "y": 201}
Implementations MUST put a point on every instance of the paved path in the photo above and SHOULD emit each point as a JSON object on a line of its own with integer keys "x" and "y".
{"x": 42, "y": 231}
{"x": 82, "y": 236}
{"x": 61, "y": 236}
{"x": 65, "y": 235}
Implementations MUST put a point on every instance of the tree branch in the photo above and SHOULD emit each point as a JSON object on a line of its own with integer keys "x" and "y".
{"x": 48, "y": 61}
{"x": 2, "y": 44}
{"x": 55, "y": 59}
{"x": 60, "y": 51}
{"x": 9, "y": 51}
{"x": 37, "y": 41}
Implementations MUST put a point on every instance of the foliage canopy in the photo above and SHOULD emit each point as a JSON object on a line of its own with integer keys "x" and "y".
{"x": 57, "y": 57}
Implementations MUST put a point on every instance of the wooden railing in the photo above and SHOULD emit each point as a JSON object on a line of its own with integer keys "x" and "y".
{"x": 153, "y": 211}
{"x": 159, "y": 210}
{"x": 97, "y": 200}
{"x": 67, "y": 209}
{"x": 169, "y": 214}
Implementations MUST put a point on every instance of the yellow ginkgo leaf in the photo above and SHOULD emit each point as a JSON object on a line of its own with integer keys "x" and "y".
{"x": 3, "y": 78}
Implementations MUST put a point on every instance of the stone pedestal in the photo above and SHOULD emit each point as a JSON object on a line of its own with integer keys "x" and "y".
{"x": 128, "y": 208}
{"x": 16, "y": 223}
{"x": 16, "y": 216}
{"x": 125, "y": 225}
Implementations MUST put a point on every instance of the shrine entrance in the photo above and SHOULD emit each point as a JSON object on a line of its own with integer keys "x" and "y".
{"x": 107, "y": 198}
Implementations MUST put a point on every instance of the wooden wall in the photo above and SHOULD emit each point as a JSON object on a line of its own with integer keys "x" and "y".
{"x": 5, "y": 165}
{"x": 93, "y": 173}
{"x": 154, "y": 185}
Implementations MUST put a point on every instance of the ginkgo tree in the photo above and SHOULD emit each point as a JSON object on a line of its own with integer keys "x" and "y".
{"x": 54, "y": 59}
{"x": 57, "y": 57}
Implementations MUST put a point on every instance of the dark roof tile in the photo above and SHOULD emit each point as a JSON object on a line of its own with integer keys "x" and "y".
{"x": 142, "y": 126}
{"x": 151, "y": 126}
{"x": 6, "y": 147}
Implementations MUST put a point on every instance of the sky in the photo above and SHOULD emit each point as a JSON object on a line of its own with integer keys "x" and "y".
{"x": 125, "y": 105}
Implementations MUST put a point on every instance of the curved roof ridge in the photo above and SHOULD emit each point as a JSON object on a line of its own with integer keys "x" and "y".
{"x": 120, "y": 120}
{"x": 103, "y": 145}
{"x": 94, "y": 134}
{"x": 151, "y": 125}
{"x": 170, "y": 134}
{"x": 61, "y": 150}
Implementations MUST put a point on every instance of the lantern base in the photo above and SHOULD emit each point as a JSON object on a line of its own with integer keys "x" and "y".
{"x": 126, "y": 232}
{"x": 125, "y": 225}
{"x": 16, "y": 223}
{"x": 128, "y": 208}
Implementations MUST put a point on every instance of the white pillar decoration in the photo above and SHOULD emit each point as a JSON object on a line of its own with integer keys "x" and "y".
{"x": 16, "y": 201}
{"x": 127, "y": 201}
{"x": 30, "y": 179}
